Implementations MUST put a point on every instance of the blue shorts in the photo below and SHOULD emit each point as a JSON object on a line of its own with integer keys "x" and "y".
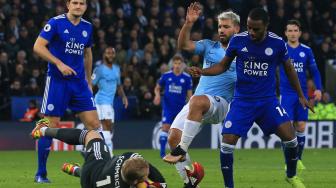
{"x": 60, "y": 94}
{"x": 294, "y": 108}
{"x": 267, "y": 113}
{"x": 168, "y": 116}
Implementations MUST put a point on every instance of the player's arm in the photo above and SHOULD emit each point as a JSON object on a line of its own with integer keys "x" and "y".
{"x": 88, "y": 65}
{"x": 184, "y": 42}
{"x": 189, "y": 94}
{"x": 123, "y": 96}
{"x": 315, "y": 73}
{"x": 216, "y": 69}
{"x": 294, "y": 80}
{"x": 157, "y": 92}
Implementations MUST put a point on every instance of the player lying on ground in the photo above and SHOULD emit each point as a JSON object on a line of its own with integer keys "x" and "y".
{"x": 128, "y": 170}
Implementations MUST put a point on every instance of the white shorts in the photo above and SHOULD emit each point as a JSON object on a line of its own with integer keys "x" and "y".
{"x": 216, "y": 113}
{"x": 105, "y": 111}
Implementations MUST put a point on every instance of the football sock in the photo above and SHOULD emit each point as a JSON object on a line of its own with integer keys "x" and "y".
{"x": 43, "y": 149}
{"x": 191, "y": 128}
{"x": 163, "y": 142}
{"x": 226, "y": 160}
{"x": 69, "y": 135}
{"x": 301, "y": 138}
{"x": 108, "y": 140}
{"x": 180, "y": 168}
{"x": 291, "y": 156}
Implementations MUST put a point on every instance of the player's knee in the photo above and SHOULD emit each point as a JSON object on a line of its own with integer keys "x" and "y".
{"x": 54, "y": 121}
{"x": 93, "y": 124}
{"x": 291, "y": 143}
{"x": 199, "y": 103}
{"x": 230, "y": 139}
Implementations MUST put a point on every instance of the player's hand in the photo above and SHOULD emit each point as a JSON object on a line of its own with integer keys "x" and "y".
{"x": 65, "y": 69}
{"x": 195, "y": 71}
{"x": 193, "y": 12}
{"x": 157, "y": 100}
{"x": 125, "y": 101}
{"x": 317, "y": 95}
{"x": 306, "y": 104}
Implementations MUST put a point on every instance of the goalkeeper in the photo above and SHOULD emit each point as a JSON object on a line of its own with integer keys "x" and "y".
{"x": 128, "y": 170}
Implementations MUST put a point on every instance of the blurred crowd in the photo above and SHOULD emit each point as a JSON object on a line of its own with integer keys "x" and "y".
{"x": 144, "y": 34}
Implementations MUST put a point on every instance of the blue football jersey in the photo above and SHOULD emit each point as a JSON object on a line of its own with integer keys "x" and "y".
{"x": 175, "y": 90}
{"x": 302, "y": 59}
{"x": 220, "y": 85}
{"x": 107, "y": 79}
{"x": 67, "y": 42}
{"x": 256, "y": 64}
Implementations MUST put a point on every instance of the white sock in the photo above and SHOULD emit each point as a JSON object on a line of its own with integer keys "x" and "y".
{"x": 108, "y": 139}
{"x": 191, "y": 128}
{"x": 180, "y": 168}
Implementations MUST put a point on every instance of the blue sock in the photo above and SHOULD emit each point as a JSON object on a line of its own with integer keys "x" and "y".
{"x": 301, "y": 138}
{"x": 43, "y": 150}
{"x": 163, "y": 142}
{"x": 291, "y": 156}
{"x": 226, "y": 160}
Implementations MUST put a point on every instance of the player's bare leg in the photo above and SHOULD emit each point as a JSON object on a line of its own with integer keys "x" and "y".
{"x": 198, "y": 106}
{"x": 226, "y": 158}
{"x": 286, "y": 132}
{"x": 300, "y": 127}
{"x": 108, "y": 133}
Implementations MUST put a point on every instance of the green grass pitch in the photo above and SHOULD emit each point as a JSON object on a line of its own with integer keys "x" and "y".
{"x": 253, "y": 168}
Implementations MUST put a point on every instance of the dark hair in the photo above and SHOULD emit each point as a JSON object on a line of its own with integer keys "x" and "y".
{"x": 259, "y": 14}
{"x": 294, "y": 22}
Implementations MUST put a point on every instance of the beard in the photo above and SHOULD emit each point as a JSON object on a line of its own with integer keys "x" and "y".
{"x": 108, "y": 61}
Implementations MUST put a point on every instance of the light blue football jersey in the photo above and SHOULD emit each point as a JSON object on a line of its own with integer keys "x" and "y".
{"x": 220, "y": 85}
{"x": 107, "y": 79}
{"x": 67, "y": 42}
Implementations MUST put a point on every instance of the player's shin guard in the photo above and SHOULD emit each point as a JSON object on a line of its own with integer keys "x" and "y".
{"x": 291, "y": 156}
{"x": 69, "y": 135}
{"x": 163, "y": 142}
{"x": 43, "y": 150}
{"x": 181, "y": 170}
{"x": 226, "y": 160}
{"x": 301, "y": 138}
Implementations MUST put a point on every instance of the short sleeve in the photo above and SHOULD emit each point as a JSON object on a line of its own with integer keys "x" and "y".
{"x": 200, "y": 47}
{"x": 49, "y": 30}
{"x": 283, "y": 55}
{"x": 231, "y": 49}
{"x": 90, "y": 41}
{"x": 95, "y": 76}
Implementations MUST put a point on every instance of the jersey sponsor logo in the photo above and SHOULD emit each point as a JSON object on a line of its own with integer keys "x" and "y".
{"x": 228, "y": 124}
{"x": 66, "y": 31}
{"x": 72, "y": 47}
{"x": 298, "y": 66}
{"x": 84, "y": 33}
{"x": 50, "y": 107}
{"x": 253, "y": 68}
{"x": 244, "y": 49}
{"x": 172, "y": 88}
{"x": 268, "y": 51}
{"x": 47, "y": 28}
{"x": 302, "y": 54}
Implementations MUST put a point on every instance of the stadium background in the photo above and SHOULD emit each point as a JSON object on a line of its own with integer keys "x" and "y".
{"x": 144, "y": 34}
